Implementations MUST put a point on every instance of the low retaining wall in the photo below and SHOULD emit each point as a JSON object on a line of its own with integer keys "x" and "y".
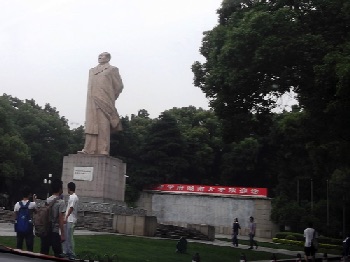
{"x": 105, "y": 217}
{"x": 135, "y": 225}
{"x": 204, "y": 229}
{"x": 198, "y": 232}
{"x": 215, "y": 210}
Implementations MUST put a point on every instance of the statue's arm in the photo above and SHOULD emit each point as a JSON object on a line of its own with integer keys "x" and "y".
{"x": 117, "y": 82}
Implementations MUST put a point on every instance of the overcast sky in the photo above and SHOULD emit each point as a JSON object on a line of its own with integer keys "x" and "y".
{"x": 48, "y": 47}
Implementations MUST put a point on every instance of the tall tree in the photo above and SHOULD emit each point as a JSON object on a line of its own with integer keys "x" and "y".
{"x": 262, "y": 49}
{"x": 201, "y": 130}
{"x": 34, "y": 141}
{"x": 163, "y": 151}
{"x": 13, "y": 150}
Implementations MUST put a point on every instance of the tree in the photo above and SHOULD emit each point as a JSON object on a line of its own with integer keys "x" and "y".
{"x": 127, "y": 143}
{"x": 239, "y": 164}
{"x": 187, "y": 141}
{"x": 201, "y": 130}
{"x": 163, "y": 151}
{"x": 33, "y": 143}
{"x": 259, "y": 51}
{"x": 76, "y": 140}
{"x": 263, "y": 49}
{"x": 13, "y": 150}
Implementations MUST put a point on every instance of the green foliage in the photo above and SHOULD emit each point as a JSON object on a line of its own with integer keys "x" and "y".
{"x": 239, "y": 163}
{"x": 259, "y": 51}
{"x": 164, "y": 150}
{"x": 33, "y": 141}
{"x": 14, "y": 152}
{"x": 301, "y": 243}
{"x": 291, "y": 237}
{"x": 201, "y": 131}
{"x": 181, "y": 146}
{"x": 300, "y": 237}
{"x": 132, "y": 194}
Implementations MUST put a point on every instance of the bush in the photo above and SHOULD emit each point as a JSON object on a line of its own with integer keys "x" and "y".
{"x": 291, "y": 237}
{"x": 301, "y": 243}
{"x": 284, "y": 235}
{"x": 300, "y": 237}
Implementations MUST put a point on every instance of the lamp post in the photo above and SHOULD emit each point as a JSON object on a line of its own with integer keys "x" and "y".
{"x": 311, "y": 191}
{"x": 327, "y": 202}
{"x": 312, "y": 195}
{"x": 47, "y": 181}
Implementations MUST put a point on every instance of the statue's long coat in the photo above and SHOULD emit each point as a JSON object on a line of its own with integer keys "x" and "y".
{"x": 104, "y": 87}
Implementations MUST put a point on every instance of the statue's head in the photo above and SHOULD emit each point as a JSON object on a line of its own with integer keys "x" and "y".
{"x": 104, "y": 58}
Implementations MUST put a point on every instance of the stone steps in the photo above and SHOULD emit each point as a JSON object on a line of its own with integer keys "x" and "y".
{"x": 176, "y": 232}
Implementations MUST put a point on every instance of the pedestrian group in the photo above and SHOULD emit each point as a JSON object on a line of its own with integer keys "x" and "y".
{"x": 61, "y": 221}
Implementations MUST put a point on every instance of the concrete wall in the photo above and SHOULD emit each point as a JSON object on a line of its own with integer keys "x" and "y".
{"x": 207, "y": 230}
{"x": 218, "y": 211}
{"x": 135, "y": 225}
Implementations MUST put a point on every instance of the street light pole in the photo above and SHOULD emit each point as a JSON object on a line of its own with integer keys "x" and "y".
{"x": 327, "y": 202}
{"x": 312, "y": 195}
{"x": 298, "y": 191}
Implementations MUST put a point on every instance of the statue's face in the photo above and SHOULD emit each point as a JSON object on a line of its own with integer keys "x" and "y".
{"x": 103, "y": 58}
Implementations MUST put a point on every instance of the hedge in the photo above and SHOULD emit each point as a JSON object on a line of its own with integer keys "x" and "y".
{"x": 301, "y": 243}
{"x": 300, "y": 237}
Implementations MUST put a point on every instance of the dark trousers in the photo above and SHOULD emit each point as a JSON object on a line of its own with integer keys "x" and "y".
{"x": 252, "y": 241}
{"x": 235, "y": 239}
{"x": 29, "y": 238}
{"x": 53, "y": 240}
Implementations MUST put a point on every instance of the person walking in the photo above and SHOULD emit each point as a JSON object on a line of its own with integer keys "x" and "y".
{"x": 252, "y": 230}
{"x": 54, "y": 239}
{"x": 310, "y": 234}
{"x": 23, "y": 211}
{"x": 70, "y": 220}
{"x": 235, "y": 230}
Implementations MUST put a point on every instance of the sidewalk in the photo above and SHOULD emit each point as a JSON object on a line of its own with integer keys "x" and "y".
{"x": 259, "y": 240}
{"x": 6, "y": 229}
{"x": 266, "y": 249}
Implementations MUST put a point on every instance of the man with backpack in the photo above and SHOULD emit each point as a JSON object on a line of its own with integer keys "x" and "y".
{"x": 53, "y": 238}
{"x": 24, "y": 220}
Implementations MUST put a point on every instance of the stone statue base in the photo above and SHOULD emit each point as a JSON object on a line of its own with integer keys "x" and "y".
{"x": 98, "y": 178}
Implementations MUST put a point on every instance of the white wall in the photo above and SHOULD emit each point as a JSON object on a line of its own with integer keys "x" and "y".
{"x": 218, "y": 211}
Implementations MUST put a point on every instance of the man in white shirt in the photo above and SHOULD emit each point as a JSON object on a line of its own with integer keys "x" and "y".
{"x": 70, "y": 220}
{"x": 28, "y": 236}
{"x": 309, "y": 234}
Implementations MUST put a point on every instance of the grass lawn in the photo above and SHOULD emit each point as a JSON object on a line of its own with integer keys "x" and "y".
{"x": 132, "y": 249}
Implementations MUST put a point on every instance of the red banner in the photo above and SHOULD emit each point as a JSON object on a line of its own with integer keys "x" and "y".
{"x": 217, "y": 190}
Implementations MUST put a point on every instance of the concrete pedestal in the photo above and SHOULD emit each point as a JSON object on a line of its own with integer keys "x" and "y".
{"x": 98, "y": 178}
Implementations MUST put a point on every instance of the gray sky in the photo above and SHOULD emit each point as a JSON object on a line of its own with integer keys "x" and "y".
{"x": 48, "y": 46}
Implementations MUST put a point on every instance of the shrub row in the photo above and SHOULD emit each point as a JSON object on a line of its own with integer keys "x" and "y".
{"x": 300, "y": 237}
{"x": 301, "y": 243}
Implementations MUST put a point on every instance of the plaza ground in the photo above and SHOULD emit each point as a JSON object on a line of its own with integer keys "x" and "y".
{"x": 6, "y": 229}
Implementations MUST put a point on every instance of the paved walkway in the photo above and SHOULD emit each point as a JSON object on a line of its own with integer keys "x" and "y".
{"x": 6, "y": 229}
